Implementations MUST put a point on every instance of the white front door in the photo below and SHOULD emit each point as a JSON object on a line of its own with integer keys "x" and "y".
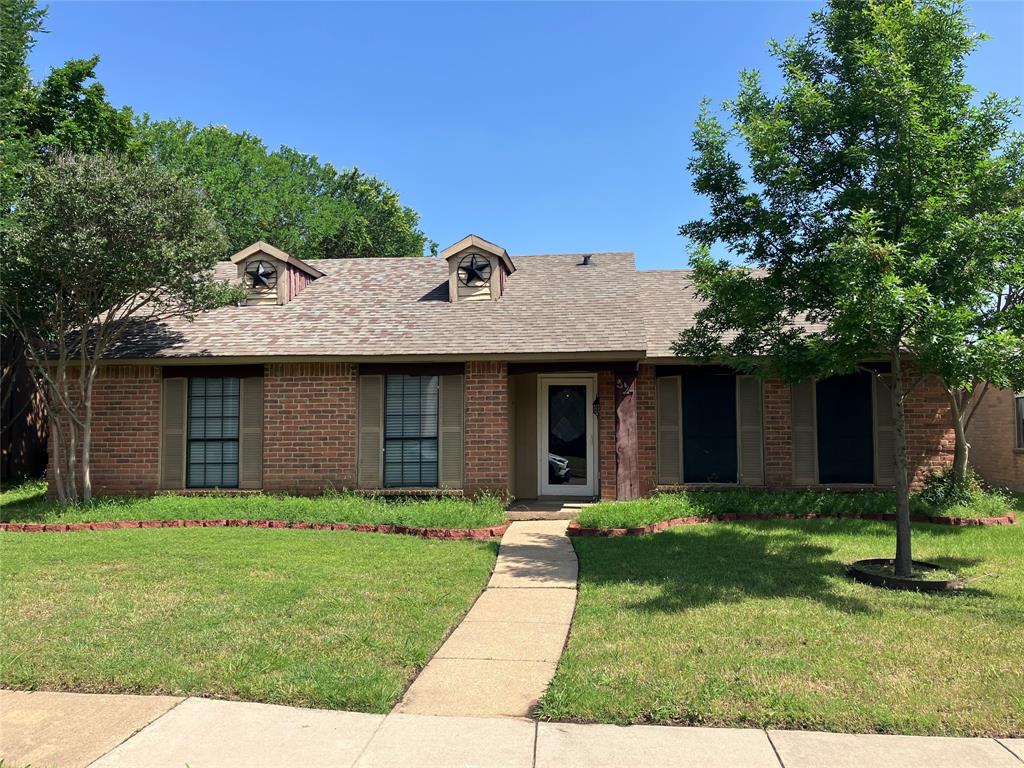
{"x": 567, "y": 431}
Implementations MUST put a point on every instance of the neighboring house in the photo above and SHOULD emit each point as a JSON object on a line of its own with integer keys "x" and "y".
{"x": 531, "y": 376}
{"x": 996, "y": 435}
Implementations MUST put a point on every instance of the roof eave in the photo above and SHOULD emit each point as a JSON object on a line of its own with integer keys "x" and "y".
{"x": 628, "y": 355}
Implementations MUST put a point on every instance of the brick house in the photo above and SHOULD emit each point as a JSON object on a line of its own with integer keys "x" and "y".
{"x": 996, "y": 435}
{"x": 534, "y": 376}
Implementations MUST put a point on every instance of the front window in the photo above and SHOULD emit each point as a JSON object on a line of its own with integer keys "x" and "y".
{"x": 1018, "y": 402}
{"x": 212, "y": 433}
{"x": 410, "y": 431}
{"x": 709, "y": 427}
{"x": 846, "y": 446}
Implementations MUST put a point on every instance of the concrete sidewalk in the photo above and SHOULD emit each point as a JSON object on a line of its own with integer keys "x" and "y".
{"x": 500, "y": 659}
{"x": 71, "y": 730}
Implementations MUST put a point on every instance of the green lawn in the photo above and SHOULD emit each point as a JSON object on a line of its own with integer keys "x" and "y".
{"x": 28, "y": 503}
{"x": 337, "y": 620}
{"x": 666, "y": 506}
{"x": 754, "y": 624}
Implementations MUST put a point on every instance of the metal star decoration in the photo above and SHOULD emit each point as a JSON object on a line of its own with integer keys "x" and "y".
{"x": 474, "y": 270}
{"x": 262, "y": 275}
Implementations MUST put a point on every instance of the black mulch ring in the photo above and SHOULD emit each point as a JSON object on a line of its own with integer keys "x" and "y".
{"x": 866, "y": 571}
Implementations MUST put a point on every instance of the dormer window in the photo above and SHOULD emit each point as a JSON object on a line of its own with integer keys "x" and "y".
{"x": 477, "y": 269}
{"x": 272, "y": 276}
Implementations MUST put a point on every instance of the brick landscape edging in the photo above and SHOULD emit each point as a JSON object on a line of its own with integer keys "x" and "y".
{"x": 405, "y": 530}
{"x": 577, "y": 530}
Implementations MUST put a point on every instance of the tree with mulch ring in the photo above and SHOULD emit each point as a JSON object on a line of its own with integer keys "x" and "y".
{"x": 878, "y": 218}
{"x": 924, "y": 577}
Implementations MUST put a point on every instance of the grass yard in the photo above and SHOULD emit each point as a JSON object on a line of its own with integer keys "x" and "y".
{"x": 28, "y": 503}
{"x": 754, "y": 624}
{"x": 336, "y": 620}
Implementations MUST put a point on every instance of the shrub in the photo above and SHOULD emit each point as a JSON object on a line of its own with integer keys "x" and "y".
{"x": 817, "y": 503}
{"x": 331, "y": 507}
{"x": 942, "y": 490}
{"x": 943, "y": 496}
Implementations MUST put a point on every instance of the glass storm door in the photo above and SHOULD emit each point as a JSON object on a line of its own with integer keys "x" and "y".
{"x": 566, "y": 455}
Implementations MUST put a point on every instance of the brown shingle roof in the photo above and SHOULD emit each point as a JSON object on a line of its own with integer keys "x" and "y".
{"x": 399, "y": 307}
{"x": 668, "y": 305}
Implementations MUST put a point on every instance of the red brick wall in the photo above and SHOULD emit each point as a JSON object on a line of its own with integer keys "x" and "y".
{"x": 777, "y": 405}
{"x": 930, "y": 437}
{"x": 929, "y": 431}
{"x": 993, "y": 438}
{"x": 606, "y": 434}
{"x": 487, "y": 428}
{"x": 647, "y": 429}
{"x": 310, "y": 429}
{"x": 126, "y": 431}
{"x": 309, "y": 426}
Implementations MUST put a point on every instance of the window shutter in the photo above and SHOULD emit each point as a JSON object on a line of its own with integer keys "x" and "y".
{"x": 250, "y": 433}
{"x": 751, "y": 451}
{"x": 670, "y": 430}
{"x": 450, "y": 431}
{"x": 371, "y": 429}
{"x": 885, "y": 455}
{"x": 805, "y": 449}
{"x": 173, "y": 409}
{"x": 1018, "y": 412}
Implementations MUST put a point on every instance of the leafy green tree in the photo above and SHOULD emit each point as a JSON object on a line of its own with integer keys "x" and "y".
{"x": 878, "y": 212}
{"x": 20, "y": 21}
{"x": 67, "y": 111}
{"x": 285, "y": 197}
{"x": 97, "y": 245}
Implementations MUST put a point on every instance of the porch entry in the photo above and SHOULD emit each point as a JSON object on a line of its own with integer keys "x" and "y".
{"x": 566, "y": 436}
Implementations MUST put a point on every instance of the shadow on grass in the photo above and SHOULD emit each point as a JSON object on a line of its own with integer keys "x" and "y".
{"x": 1017, "y": 501}
{"x": 29, "y": 506}
{"x": 715, "y": 564}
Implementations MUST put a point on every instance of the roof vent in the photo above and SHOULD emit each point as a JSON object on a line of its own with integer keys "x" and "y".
{"x": 477, "y": 269}
{"x": 270, "y": 275}
{"x": 586, "y": 260}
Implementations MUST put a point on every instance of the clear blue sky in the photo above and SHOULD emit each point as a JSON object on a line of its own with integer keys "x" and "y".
{"x": 544, "y": 127}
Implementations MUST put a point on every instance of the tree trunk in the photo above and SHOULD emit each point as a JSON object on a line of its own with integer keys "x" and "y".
{"x": 62, "y": 397}
{"x": 87, "y": 437}
{"x": 961, "y": 452}
{"x": 71, "y": 463}
{"x": 899, "y": 437}
{"x": 86, "y": 451}
{"x": 961, "y": 447}
{"x": 57, "y": 458}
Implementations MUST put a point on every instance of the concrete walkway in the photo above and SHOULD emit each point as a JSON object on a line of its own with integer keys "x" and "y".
{"x": 534, "y": 509}
{"x": 502, "y": 656}
{"x": 74, "y": 730}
